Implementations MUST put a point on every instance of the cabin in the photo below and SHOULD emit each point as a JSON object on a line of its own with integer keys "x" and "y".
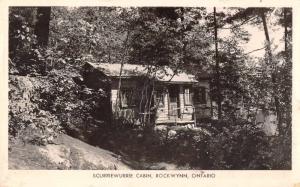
{"x": 151, "y": 94}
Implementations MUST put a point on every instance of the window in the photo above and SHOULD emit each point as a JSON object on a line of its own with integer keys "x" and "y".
{"x": 173, "y": 93}
{"x": 187, "y": 97}
{"x": 127, "y": 98}
{"x": 160, "y": 99}
{"x": 200, "y": 95}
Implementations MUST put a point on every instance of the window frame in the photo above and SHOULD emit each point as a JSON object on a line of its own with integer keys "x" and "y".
{"x": 200, "y": 96}
{"x": 129, "y": 98}
{"x": 159, "y": 98}
{"x": 187, "y": 95}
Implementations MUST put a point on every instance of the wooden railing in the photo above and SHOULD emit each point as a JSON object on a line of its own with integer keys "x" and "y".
{"x": 172, "y": 116}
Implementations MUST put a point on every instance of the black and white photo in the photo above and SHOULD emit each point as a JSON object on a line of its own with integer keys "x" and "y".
{"x": 150, "y": 88}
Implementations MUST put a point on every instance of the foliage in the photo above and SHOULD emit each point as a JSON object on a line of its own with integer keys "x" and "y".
{"x": 231, "y": 144}
{"x": 177, "y": 37}
{"x": 236, "y": 146}
{"x": 273, "y": 67}
{"x": 242, "y": 145}
{"x": 75, "y": 106}
{"x": 26, "y": 120}
{"x": 54, "y": 102}
{"x": 26, "y": 57}
{"x": 68, "y": 105}
{"x": 97, "y": 32}
{"x": 21, "y": 35}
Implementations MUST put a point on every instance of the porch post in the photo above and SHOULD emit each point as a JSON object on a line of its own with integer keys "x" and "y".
{"x": 181, "y": 100}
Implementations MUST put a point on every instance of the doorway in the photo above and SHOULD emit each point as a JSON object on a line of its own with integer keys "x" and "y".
{"x": 174, "y": 111}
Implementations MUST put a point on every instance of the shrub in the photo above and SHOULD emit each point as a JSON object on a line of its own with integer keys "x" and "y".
{"x": 76, "y": 106}
{"x": 27, "y": 121}
{"x": 242, "y": 145}
{"x": 45, "y": 105}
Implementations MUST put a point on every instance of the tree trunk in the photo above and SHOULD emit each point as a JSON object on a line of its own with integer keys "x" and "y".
{"x": 42, "y": 25}
{"x": 285, "y": 31}
{"x": 217, "y": 67}
{"x": 121, "y": 69}
{"x": 274, "y": 71}
{"x": 288, "y": 111}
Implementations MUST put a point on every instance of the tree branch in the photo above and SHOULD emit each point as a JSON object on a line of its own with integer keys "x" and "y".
{"x": 255, "y": 50}
{"x": 244, "y": 22}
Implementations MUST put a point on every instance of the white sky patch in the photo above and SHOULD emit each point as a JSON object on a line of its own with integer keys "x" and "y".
{"x": 257, "y": 37}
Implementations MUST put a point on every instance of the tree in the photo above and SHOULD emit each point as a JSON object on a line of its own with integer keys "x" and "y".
{"x": 87, "y": 33}
{"x": 227, "y": 60}
{"x": 128, "y": 28}
{"x": 258, "y": 16}
{"x": 285, "y": 68}
{"x": 217, "y": 66}
{"x": 274, "y": 67}
{"x": 24, "y": 53}
{"x": 42, "y": 25}
{"x": 21, "y": 36}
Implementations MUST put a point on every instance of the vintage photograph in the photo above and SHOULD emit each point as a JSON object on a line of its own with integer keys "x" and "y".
{"x": 150, "y": 88}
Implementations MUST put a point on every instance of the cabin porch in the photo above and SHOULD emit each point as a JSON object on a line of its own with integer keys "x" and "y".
{"x": 179, "y": 104}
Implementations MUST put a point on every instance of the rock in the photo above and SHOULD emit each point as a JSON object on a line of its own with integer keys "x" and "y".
{"x": 172, "y": 133}
{"x": 160, "y": 128}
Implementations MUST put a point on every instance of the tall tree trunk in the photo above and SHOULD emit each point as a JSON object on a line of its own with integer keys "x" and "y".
{"x": 121, "y": 69}
{"x": 217, "y": 67}
{"x": 42, "y": 25}
{"x": 285, "y": 31}
{"x": 274, "y": 71}
{"x": 288, "y": 111}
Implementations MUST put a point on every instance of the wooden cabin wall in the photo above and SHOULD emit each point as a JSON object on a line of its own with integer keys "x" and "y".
{"x": 162, "y": 111}
{"x": 203, "y": 110}
{"x": 186, "y": 111}
{"x": 96, "y": 79}
{"x": 127, "y": 114}
{"x": 114, "y": 94}
{"x": 130, "y": 113}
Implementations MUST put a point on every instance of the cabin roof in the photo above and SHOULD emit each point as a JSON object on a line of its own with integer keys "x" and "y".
{"x": 164, "y": 74}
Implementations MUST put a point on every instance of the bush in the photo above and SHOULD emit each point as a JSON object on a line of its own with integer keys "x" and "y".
{"x": 76, "y": 106}
{"x": 45, "y": 105}
{"x": 242, "y": 145}
{"x": 228, "y": 145}
{"x": 27, "y": 121}
{"x": 25, "y": 57}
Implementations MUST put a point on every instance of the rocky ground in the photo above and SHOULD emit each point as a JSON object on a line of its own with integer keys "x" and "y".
{"x": 65, "y": 153}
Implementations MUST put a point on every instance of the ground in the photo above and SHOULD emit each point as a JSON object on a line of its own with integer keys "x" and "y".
{"x": 66, "y": 153}
{"x": 71, "y": 153}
